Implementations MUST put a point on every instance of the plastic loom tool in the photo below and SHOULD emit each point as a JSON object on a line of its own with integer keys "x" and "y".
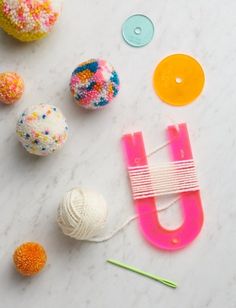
{"x": 148, "y": 182}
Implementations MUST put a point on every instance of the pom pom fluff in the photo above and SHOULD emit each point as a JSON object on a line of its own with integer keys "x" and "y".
{"x": 29, "y": 20}
{"x": 11, "y": 87}
{"x": 94, "y": 84}
{"x": 42, "y": 129}
{"x": 29, "y": 258}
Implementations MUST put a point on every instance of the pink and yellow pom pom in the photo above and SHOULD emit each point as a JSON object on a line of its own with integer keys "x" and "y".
{"x": 29, "y": 20}
{"x": 11, "y": 87}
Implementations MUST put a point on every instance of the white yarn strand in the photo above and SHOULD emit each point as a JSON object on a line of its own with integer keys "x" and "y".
{"x": 128, "y": 221}
{"x": 82, "y": 215}
{"x": 165, "y": 179}
{"x": 161, "y": 177}
{"x": 158, "y": 149}
{"x": 165, "y": 164}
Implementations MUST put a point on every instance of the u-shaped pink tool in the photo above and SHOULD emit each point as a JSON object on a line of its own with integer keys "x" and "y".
{"x": 191, "y": 205}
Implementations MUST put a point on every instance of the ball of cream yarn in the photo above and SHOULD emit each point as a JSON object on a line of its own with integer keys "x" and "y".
{"x": 82, "y": 214}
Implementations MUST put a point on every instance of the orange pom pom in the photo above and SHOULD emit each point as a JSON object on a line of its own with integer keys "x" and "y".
{"x": 29, "y": 258}
{"x": 11, "y": 87}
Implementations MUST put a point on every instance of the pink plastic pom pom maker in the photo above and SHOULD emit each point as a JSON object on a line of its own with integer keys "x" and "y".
{"x": 148, "y": 182}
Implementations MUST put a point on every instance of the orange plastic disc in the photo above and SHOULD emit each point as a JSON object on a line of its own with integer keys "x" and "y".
{"x": 178, "y": 79}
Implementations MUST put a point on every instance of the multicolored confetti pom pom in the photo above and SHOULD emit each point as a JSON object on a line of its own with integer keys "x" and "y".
{"x": 11, "y": 87}
{"x": 29, "y": 258}
{"x": 42, "y": 129}
{"x": 94, "y": 84}
{"x": 29, "y": 20}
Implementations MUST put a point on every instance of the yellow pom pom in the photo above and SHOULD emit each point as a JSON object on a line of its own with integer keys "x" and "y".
{"x": 29, "y": 20}
{"x": 29, "y": 258}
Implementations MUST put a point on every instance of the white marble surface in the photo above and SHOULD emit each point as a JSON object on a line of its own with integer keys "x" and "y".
{"x": 30, "y": 188}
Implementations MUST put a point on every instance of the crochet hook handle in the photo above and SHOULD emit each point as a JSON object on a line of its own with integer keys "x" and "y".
{"x": 138, "y": 271}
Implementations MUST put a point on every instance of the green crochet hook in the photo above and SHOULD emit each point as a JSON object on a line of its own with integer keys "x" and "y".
{"x": 138, "y": 271}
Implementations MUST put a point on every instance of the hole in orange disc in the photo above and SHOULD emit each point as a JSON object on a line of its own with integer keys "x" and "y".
{"x": 178, "y": 80}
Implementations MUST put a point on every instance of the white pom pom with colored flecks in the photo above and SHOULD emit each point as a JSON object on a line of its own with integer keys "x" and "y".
{"x": 29, "y": 20}
{"x": 94, "y": 84}
{"x": 11, "y": 87}
{"x": 42, "y": 129}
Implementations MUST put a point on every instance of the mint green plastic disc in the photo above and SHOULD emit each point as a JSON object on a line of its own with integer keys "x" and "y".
{"x": 138, "y": 30}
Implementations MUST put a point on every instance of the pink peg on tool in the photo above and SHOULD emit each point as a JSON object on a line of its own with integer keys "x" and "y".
{"x": 190, "y": 201}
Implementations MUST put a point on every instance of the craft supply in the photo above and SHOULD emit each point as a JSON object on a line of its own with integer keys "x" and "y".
{"x": 94, "y": 84}
{"x": 82, "y": 214}
{"x": 138, "y": 30}
{"x": 178, "y": 79}
{"x": 77, "y": 208}
{"x": 11, "y": 87}
{"x": 163, "y": 179}
{"x": 147, "y": 182}
{"x": 42, "y": 129}
{"x": 29, "y": 20}
{"x": 29, "y": 258}
{"x": 138, "y": 271}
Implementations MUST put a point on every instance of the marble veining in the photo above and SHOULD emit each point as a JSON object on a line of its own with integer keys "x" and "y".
{"x": 31, "y": 187}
